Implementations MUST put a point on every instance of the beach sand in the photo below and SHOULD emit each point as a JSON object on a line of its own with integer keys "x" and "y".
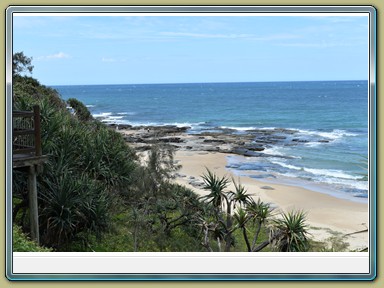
{"x": 327, "y": 215}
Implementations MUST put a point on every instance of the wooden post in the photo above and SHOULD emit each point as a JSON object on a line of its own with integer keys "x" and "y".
{"x": 36, "y": 120}
{"x": 33, "y": 207}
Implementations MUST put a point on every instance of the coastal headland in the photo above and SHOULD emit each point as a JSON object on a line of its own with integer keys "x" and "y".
{"x": 328, "y": 216}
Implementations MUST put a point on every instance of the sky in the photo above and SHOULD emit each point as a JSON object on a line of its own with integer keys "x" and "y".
{"x": 87, "y": 50}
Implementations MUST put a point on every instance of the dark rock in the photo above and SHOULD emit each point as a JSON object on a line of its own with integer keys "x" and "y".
{"x": 239, "y": 150}
{"x": 285, "y": 131}
{"x": 132, "y": 139}
{"x": 143, "y": 148}
{"x": 267, "y": 188}
{"x": 255, "y": 147}
{"x": 275, "y": 137}
{"x": 265, "y": 141}
{"x": 196, "y": 183}
{"x": 253, "y": 154}
{"x": 214, "y": 141}
{"x": 212, "y": 149}
{"x": 245, "y": 152}
{"x": 299, "y": 140}
{"x": 124, "y": 126}
{"x": 171, "y": 140}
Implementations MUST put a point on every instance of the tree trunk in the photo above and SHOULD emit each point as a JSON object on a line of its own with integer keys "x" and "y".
{"x": 256, "y": 236}
{"x": 246, "y": 239}
{"x": 267, "y": 242}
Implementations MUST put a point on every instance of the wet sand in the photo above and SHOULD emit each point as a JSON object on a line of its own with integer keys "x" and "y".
{"x": 326, "y": 215}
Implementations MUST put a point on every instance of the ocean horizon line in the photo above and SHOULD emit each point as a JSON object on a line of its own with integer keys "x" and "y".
{"x": 322, "y": 124}
{"x": 219, "y": 82}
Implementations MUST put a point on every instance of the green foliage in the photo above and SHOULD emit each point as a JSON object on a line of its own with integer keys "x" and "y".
{"x": 89, "y": 167}
{"x": 21, "y": 63}
{"x": 161, "y": 209}
{"x": 217, "y": 197}
{"x": 241, "y": 219}
{"x": 95, "y": 196}
{"x": 81, "y": 111}
{"x": 83, "y": 176}
{"x": 240, "y": 195}
{"x": 22, "y": 243}
{"x": 70, "y": 205}
{"x": 290, "y": 232}
{"x": 27, "y": 92}
{"x": 234, "y": 210}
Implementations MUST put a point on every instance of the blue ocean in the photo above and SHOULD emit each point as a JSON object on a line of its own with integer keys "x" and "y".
{"x": 330, "y": 120}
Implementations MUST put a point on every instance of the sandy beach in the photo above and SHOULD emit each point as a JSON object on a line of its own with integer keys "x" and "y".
{"x": 327, "y": 215}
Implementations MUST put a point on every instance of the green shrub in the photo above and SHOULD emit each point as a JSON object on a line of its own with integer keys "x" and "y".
{"x": 81, "y": 111}
{"x": 22, "y": 243}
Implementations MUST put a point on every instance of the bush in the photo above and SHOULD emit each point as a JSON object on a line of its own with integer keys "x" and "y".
{"x": 21, "y": 242}
{"x": 81, "y": 111}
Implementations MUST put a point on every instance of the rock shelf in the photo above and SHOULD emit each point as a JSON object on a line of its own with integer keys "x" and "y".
{"x": 249, "y": 143}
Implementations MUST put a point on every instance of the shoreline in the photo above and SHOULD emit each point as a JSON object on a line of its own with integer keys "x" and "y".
{"x": 327, "y": 215}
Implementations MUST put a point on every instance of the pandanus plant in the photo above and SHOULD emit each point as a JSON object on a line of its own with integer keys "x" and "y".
{"x": 288, "y": 233}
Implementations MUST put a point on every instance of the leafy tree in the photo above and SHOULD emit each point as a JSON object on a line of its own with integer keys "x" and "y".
{"x": 21, "y": 64}
{"x": 290, "y": 232}
{"x": 242, "y": 218}
{"x": 237, "y": 210}
{"x": 93, "y": 191}
{"x": 81, "y": 110}
{"x": 160, "y": 209}
{"x": 259, "y": 213}
{"x": 88, "y": 167}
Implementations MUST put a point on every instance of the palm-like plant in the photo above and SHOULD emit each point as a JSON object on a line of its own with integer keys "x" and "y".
{"x": 217, "y": 196}
{"x": 290, "y": 233}
{"x": 70, "y": 205}
{"x": 241, "y": 218}
{"x": 240, "y": 195}
{"x": 259, "y": 212}
{"x": 221, "y": 202}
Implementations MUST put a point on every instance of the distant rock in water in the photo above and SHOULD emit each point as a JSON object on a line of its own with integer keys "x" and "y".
{"x": 300, "y": 140}
{"x": 267, "y": 188}
{"x": 249, "y": 143}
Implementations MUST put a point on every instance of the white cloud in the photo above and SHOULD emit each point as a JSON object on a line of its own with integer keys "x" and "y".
{"x": 60, "y": 55}
{"x": 202, "y": 35}
{"x": 271, "y": 37}
{"x": 106, "y": 59}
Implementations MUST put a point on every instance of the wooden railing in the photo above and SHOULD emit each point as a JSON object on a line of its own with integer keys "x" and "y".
{"x": 26, "y": 132}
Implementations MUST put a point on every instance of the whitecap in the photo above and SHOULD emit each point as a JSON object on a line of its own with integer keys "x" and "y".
{"x": 319, "y": 172}
{"x": 333, "y": 135}
{"x": 103, "y": 114}
{"x": 242, "y": 129}
{"x": 332, "y": 173}
{"x": 273, "y": 151}
{"x": 285, "y": 165}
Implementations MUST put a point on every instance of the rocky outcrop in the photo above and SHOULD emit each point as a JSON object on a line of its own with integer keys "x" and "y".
{"x": 250, "y": 143}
